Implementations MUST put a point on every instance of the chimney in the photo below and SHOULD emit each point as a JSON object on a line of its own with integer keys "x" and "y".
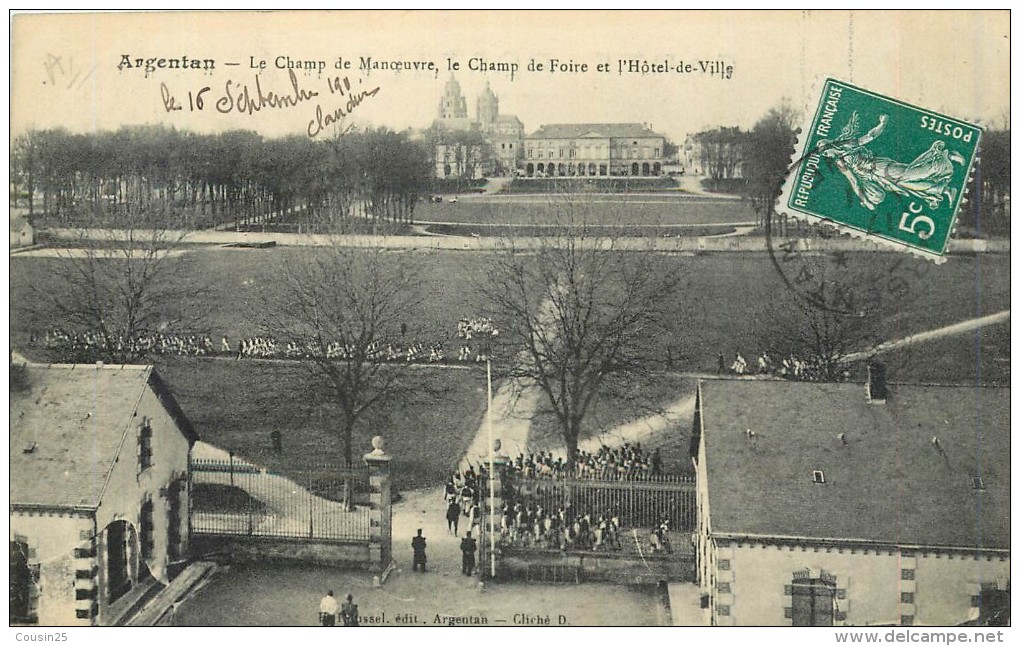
{"x": 877, "y": 390}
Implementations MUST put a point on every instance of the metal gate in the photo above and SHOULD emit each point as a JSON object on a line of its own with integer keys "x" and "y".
{"x": 236, "y": 498}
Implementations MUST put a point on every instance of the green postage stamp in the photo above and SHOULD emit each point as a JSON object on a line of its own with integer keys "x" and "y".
{"x": 881, "y": 169}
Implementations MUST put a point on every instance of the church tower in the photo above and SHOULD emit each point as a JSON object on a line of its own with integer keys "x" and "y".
{"x": 452, "y": 105}
{"x": 487, "y": 108}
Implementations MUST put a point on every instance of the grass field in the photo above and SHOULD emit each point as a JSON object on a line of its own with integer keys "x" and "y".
{"x": 602, "y": 210}
{"x": 236, "y": 404}
{"x": 730, "y": 302}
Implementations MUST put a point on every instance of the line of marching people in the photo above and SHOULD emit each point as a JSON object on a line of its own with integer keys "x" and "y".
{"x": 789, "y": 367}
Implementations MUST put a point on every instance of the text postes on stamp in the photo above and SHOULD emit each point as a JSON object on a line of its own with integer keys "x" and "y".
{"x": 879, "y": 168}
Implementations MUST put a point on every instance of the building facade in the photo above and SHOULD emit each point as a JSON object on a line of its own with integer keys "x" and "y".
{"x": 594, "y": 150}
{"x": 99, "y": 491}
{"x": 718, "y": 153}
{"x": 489, "y": 144}
{"x": 842, "y": 504}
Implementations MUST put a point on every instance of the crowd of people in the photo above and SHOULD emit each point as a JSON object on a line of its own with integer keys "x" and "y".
{"x": 470, "y": 329}
{"x": 267, "y": 347}
{"x": 629, "y": 462}
{"x": 789, "y": 367}
{"x": 254, "y": 347}
{"x": 188, "y": 345}
{"x": 527, "y": 519}
{"x": 462, "y": 495}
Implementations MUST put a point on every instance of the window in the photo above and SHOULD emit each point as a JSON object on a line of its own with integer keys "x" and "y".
{"x": 724, "y": 611}
{"x": 145, "y": 445}
{"x": 906, "y": 597}
{"x": 530, "y": 153}
{"x": 724, "y": 588}
{"x": 906, "y": 620}
{"x": 818, "y": 477}
{"x": 813, "y": 599}
{"x": 146, "y": 532}
{"x": 978, "y": 483}
{"x": 907, "y": 574}
{"x": 724, "y": 564}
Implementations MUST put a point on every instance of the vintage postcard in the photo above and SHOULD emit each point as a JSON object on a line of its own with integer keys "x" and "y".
{"x": 511, "y": 319}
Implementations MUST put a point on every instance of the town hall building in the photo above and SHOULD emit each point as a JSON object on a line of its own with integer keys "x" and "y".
{"x": 594, "y": 150}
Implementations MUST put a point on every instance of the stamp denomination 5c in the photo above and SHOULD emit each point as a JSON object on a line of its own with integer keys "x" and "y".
{"x": 879, "y": 168}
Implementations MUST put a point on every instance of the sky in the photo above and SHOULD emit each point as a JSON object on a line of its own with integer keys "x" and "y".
{"x": 66, "y": 69}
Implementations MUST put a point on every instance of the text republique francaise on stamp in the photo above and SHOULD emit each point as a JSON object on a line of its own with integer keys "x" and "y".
{"x": 881, "y": 169}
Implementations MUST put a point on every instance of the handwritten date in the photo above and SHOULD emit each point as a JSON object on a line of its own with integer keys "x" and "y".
{"x": 252, "y": 98}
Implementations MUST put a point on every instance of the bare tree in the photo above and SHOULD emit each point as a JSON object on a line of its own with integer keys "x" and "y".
{"x": 115, "y": 284}
{"x": 851, "y": 304}
{"x": 576, "y": 311}
{"x": 342, "y": 307}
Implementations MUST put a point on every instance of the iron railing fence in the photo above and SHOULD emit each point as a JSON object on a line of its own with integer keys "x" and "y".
{"x": 235, "y": 497}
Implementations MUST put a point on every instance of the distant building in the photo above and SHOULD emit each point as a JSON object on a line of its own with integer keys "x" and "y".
{"x": 715, "y": 153}
{"x": 594, "y": 150}
{"x": 98, "y": 490}
{"x": 843, "y": 504}
{"x": 690, "y": 155}
{"x": 504, "y": 132}
{"x": 22, "y": 232}
{"x": 497, "y": 148}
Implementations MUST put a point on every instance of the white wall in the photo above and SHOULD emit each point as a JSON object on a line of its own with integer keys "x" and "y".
{"x": 128, "y": 488}
{"x": 871, "y": 579}
{"x": 944, "y": 585}
{"x": 53, "y": 536}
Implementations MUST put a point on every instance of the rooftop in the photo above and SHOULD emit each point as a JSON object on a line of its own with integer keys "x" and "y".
{"x": 885, "y": 480}
{"x": 593, "y": 131}
{"x": 67, "y": 424}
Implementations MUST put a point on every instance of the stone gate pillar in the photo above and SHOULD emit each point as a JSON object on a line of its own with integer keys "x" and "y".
{"x": 380, "y": 503}
{"x": 498, "y": 476}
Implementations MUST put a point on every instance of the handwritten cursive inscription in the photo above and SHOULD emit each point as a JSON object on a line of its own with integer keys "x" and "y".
{"x": 252, "y": 98}
{"x": 342, "y": 88}
{"x": 240, "y": 98}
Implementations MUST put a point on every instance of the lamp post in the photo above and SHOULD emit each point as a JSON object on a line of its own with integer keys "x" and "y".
{"x": 489, "y": 331}
{"x": 492, "y": 471}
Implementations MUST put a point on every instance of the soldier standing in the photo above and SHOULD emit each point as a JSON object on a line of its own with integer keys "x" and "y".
{"x": 467, "y": 549}
{"x": 418, "y": 545}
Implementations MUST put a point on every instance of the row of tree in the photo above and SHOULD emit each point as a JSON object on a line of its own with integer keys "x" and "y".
{"x": 156, "y": 175}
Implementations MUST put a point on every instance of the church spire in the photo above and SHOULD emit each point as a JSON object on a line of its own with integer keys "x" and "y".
{"x": 453, "y": 105}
